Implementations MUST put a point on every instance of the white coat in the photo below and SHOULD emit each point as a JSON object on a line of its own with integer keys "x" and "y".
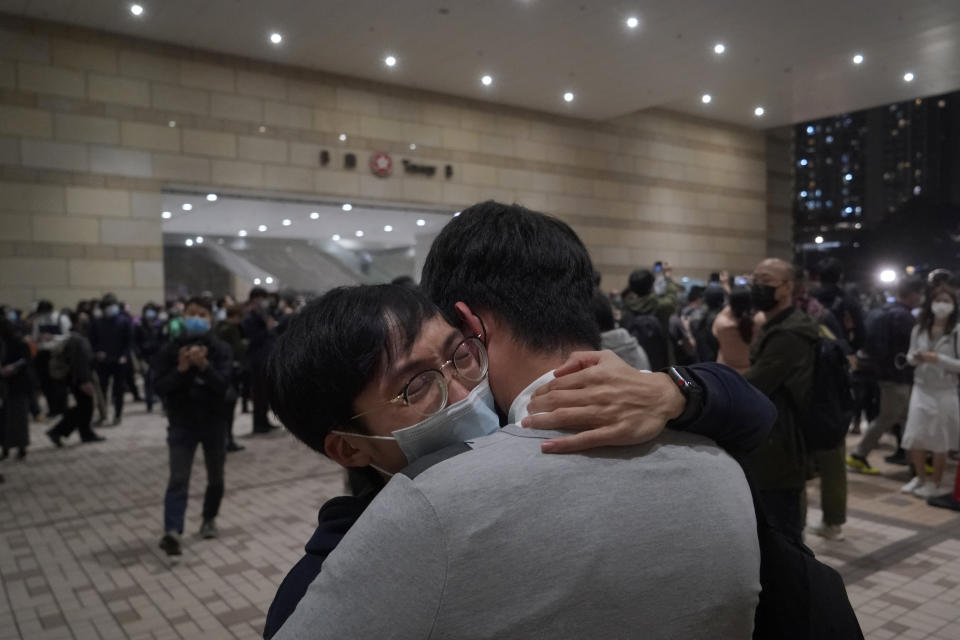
{"x": 933, "y": 420}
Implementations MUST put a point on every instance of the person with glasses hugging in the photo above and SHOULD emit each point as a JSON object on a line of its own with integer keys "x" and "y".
{"x": 377, "y": 377}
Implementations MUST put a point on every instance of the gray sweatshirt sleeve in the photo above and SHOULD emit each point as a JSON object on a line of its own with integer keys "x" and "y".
{"x": 385, "y": 578}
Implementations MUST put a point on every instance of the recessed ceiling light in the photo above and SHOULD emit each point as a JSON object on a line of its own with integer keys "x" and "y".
{"x": 706, "y": 98}
{"x": 136, "y": 9}
{"x": 268, "y": 280}
{"x": 242, "y": 233}
{"x": 199, "y": 240}
{"x": 347, "y": 206}
{"x": 166, "y": 215}
{"x": 413, "y": 147}
{"x": 287, "y": 222}
{"x": 186, "y": 206}
{"x": 358, "y": 233}
{"x": 632, "y": 22}
{"x": 390, "y": 61}
{"x": 421, "y": 222}
{"x": 858, "y": 59}
{"x": 336, "y": 237}
{"x": 759, "y": 111}
{"x": 568, "y": 96}
{"x": 262, "y": 228}
{"x": 388, "y": 228}
{"x": 908, "y": 76}
{"x": 256, "y": 281}
{"x": 188, "y": 242}
{"x": 211, "y": 197}
{"x": 343, "y": 137}
{"x": 719, "y": 48}
{"x": 486, "y": 80}
{"x": 262, "y": 129}
{"x": 314, "y": 215}
{"x": 172, "y": 124}
{"x": 276, "y": 38}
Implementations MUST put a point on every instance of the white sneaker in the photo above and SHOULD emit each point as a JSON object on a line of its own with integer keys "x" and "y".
{"x": 829, "y": 531}
{"x": 928, "y": 490}
{"x": 912, "y": 486}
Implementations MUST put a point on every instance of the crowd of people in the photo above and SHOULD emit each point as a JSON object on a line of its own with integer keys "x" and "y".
{"x": 477, "y": 373}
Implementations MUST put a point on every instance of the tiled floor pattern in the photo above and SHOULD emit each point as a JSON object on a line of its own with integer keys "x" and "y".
{"x": 79, "y": 528}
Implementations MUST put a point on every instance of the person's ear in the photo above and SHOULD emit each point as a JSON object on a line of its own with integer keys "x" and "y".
{"x": 470, "y": 322}
{"x": 344, "y": 453}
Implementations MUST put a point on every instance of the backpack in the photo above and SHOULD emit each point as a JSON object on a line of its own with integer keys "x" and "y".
{"x": 824, "y": 418}
{"x": 649, "y": 334}
{"x": 800, "y": 597}
{"x": 59, "y": 365}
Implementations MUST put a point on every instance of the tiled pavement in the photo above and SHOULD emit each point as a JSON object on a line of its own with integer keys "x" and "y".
{"x": 79, "y": 529}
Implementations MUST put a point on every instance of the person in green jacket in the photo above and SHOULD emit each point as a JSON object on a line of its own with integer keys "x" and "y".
{"x": 782, "y": 361}
{"x": 643, "y": 300}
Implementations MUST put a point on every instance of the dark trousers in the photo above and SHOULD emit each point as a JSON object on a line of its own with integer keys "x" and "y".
{"x": 113, "y": 374}
{"x": 783, "y": 510}
{"x": 148, "y": 393}
{"x": 183, "y": 444}
{"x": 77, "y": 418}
{"x": 261, "y": 397}
{"x": 55, "y": 391}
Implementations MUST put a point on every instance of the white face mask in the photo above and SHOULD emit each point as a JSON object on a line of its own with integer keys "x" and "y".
{"x": 942, "y": 310}
{"x": 471, "y": 418}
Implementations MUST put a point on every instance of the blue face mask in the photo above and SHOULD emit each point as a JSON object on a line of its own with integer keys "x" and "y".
{"x": 112, "y": 310}
{"x": 196, "y": 325}
{"x": 471, "y": 418}
{"x": 149, "y": 314}
{"x": 12, "y": 316}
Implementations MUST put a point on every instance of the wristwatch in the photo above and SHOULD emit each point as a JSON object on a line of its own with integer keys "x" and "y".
{"x": 693, "y": 393}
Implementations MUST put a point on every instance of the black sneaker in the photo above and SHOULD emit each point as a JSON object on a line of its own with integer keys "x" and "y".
{"x": 898, "y": 457}
{"x": 93, "y": 438}
{"x": 170, "y": 543}
{"x": 54, "y": 438}
{"x": 233, "y": 447}
{"x": 208, "y": 530}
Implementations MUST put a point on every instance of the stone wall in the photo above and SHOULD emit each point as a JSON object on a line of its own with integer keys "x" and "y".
{"x": 93, "y": 126}
{"x": 780, "y": 193}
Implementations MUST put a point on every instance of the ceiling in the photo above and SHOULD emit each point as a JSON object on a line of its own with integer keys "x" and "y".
{"x": 791, "y": 57}
{"x": 230, "y": 213}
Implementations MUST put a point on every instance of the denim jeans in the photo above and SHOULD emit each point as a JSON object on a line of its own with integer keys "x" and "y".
{"x": 183, "y": 445}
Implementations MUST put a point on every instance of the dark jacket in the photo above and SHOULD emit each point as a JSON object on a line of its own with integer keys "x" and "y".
{"x": 148, "y": 339}
{"x": 897, "y": 326}
{"x": 195, "y": 399}
{"x": 782, "y": 362}
{"x": 79, "y": 357}
{"x": 232, "y": 334}
{"x": 847, "y": 310}
{"x": 734, "y": 414}
{"x": 260, "y": 339}
{"x": 113, "y": 336}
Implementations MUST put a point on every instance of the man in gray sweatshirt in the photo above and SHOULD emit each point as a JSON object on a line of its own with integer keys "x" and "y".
{"x": 496, "y": 539}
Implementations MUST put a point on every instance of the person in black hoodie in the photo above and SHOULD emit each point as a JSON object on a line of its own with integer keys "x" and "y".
{"x": 147, "y": 341}
{"x": 111, "y": 337}
{"x": 192, "y": 377}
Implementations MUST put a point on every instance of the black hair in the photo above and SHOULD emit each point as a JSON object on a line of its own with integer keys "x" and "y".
{"x": 200, "y": 301}
{"x": 741, "y": 305}
{"x": 150, "y": 305}
{"x": 404, "y": 281}
{"x": 597, "y": 279}
{"x": 830, "y": 271}
{"x": 911, "y": 284}
{"x": 926, "y": 318}
{"x": 641, "y": 282}
{"x": 334, "y": 348}
{"x": 714, "y": 297}
{"x": 529, "y": 269}
{"x": 107, "y": 300}
{"x": 258, "y": 292}
{"x": 44, "y": 306}
{"x": 603, "y": 311}
{"x": 696, "y": 293}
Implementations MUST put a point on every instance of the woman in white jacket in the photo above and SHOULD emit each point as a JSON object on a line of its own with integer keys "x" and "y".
{"x": 933, "y": 421}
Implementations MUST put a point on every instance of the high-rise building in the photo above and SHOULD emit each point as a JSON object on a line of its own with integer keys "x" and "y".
{"x": 856, "y": 174}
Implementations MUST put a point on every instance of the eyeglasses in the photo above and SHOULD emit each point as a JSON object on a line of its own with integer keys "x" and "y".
{"x": 427, "y": 393}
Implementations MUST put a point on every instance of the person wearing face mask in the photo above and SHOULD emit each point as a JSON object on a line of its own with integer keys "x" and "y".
{"x": 112, "y": 340}
{"x": 147, "y": 340}
{"x": 461, "y": 538}
{"x": 782, "y": 359}
{"x": 192, "y": 378}
{"x": 933, "y": 419}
